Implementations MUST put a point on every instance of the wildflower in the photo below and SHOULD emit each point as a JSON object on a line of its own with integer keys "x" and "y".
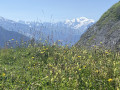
{"x": 59, "y": 40}
{"x": 3, "y": 74}
{"x": 110, "y": 79}
{"x": 46, "y": 77}
{"x": 106, "y": 52}
{"x": 64, "y": 57}
{"x": 79, "y": 56}
{"x": 95, "y": 46}
{"x": 23, "y": 82}
{"x": 50, "y": 72}
{"x": 42, "y": 52}
{"x": 63, "y": 79}
{"x": 96, "y": 71}
{"x": 80, "y": 69}
{"x": 12, "y": 39}
{"x": 75, "y": 71}
{"x": 33, "y": 57}
{"x": 84, "y": 66}
{"x": 100, "y": 42}
{"x": 52, "y": 79}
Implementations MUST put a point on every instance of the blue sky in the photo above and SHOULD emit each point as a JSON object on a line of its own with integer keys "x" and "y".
{"x": 53, "y": 10}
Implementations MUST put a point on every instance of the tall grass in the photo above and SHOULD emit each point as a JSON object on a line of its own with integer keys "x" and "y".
{"x": 59, "y": 68}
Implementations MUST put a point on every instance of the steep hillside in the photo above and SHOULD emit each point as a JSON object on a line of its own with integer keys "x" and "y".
{"x": 106, "y": 31}
{"x": 10, "y": 36}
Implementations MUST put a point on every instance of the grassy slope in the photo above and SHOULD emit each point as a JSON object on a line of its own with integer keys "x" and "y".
{"x": 112, "y": 14}
{"x": 105, "y": 30}
{"x": 52, "y": 67}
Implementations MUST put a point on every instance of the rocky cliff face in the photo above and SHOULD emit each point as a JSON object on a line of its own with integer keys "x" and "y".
{"x": 105, "y": 31}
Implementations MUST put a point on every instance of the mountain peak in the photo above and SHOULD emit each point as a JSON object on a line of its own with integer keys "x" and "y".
{"x": 79, "y": 22}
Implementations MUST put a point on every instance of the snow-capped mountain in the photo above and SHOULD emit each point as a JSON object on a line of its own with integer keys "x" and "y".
{"x": 78, "y": 23}
{"x": 68, "y": 32}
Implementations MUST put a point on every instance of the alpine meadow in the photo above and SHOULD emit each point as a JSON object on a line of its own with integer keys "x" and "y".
{"x": 72, "y": 54}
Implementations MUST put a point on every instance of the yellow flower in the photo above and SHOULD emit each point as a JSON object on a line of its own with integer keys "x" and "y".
{"x": 110, "y": 79}
{"x": 23, "y": 82}
{"x": 46, "y": 77}
{"x": 12, "y": 39}
{"x": 100, "y": 42}
{"x": 80, "y": 69}
{"x": 84, "y": 66}
{"x": 79, "y": 56}
{"x": 106, "y": 52}
{"x": 59, "y": 40}
{"x": 3, "y": 74}
{"x": 33, "y": 57}
{"x": 52, "y": 79}
{"x": 64, "y": 57}
{"x": 95, "y": 46}
{"x": 41, "y": 52}
{"x": 96, "y": 71}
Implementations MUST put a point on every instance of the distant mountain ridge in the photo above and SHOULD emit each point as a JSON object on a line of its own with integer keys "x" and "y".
{"x": 11, "y": 37}
{"x": 105, "y": 31}
{"x": 77, "y": 23}
{"x": 68, "y": 34}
